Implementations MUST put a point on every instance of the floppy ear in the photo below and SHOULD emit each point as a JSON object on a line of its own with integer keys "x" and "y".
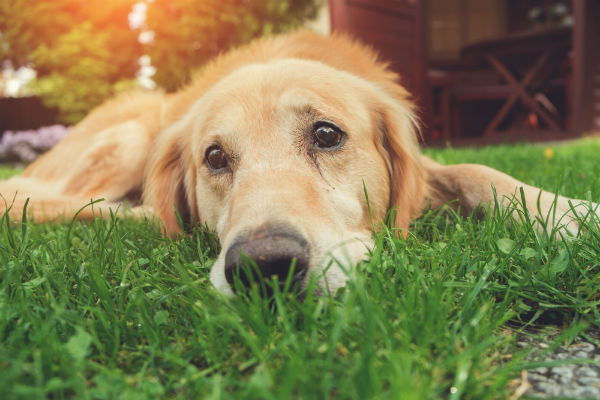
{"x": 169, "y": 181}
{"x": 399, "y": 130}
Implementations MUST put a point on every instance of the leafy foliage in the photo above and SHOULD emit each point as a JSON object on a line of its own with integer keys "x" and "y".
{"x": 187, "y": 33}
{"x": 85, "y": 51}
{"x": 82, "y": 51}
{"x": 90, "y": 77}
{"x": 28, "y": 24}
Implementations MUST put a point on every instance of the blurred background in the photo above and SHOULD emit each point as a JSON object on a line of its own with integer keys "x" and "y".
{"x": 74, "y": 54}
{"x": 481, "y": 71}
{"x": 489, "y": 71}
{"x": 61, "y": 58}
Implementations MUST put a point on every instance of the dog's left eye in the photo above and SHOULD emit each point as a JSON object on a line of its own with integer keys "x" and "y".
{"x": 327, "y": 136}
{"x": 216, "y": 159}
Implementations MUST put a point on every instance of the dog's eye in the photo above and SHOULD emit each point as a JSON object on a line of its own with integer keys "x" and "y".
{"x": 327, "y": 137}
{"x": 216, "y": 159}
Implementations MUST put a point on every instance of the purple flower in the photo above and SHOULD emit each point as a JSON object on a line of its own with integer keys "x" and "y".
{"x": 28, "y": 145}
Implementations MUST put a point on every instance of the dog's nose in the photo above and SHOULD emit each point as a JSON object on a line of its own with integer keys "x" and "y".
{"x": 273, "y": 250}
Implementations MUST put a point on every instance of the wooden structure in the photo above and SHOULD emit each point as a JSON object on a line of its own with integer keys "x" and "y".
{"x": 22, "y": 113}
{"x": 493, "y": 70}
{"x": 586, "y": 66}
{"x": 394, "y": 28}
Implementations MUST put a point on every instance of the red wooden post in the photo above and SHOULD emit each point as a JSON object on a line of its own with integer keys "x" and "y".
{"x": 585, "y": 87}
{"x": 395, "y": 28}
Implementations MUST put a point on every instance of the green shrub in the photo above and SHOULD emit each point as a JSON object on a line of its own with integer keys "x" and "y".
{"x": 85, "y": 52}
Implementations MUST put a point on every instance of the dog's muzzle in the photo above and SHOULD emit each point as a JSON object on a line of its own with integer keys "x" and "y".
{"x": 274, "y": 250}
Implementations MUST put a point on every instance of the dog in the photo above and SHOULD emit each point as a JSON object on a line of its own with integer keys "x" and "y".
{"x": 291, "y": 148}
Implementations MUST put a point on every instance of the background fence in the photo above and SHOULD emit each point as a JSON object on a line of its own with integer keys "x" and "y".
{"x": 20, "y": 113}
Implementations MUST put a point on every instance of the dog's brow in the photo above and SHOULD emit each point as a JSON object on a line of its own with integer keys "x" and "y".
{"x": 302, "y": 109}
{"x": 309, "y": 113}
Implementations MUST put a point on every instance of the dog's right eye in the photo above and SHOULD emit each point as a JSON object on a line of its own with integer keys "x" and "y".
{"x": 327, "y": 136}
{"x": 216, "y": 159}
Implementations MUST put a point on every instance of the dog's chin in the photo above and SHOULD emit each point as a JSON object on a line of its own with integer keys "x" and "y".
{"x": 331, "y": 268}
{"x": 217, "y": 276}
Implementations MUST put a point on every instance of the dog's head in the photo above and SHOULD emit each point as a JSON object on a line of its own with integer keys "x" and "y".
{"x": 286, "y": 160}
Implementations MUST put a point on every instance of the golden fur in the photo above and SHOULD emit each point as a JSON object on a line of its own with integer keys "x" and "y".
{"x": 259, "y": 103}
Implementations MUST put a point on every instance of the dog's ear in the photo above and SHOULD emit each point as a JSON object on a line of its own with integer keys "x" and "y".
{"x": 169, "y": 182}
{"x": 399, "y": 132}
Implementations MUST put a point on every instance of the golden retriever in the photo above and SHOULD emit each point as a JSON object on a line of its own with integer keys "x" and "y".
{"x": 275, "y": 146}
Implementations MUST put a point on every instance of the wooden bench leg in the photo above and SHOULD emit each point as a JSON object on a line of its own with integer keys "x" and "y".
{"x": 446, "y": 114}
{"x": 521, "y": 91}
{"x": 499, "y": 117}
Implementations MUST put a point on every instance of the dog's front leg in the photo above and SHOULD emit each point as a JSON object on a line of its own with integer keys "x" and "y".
{"x": 468, "y": 186}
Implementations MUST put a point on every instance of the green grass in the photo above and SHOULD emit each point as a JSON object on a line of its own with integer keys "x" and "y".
{"x": 7, "y": 171}
{"x": 110, "y": 309}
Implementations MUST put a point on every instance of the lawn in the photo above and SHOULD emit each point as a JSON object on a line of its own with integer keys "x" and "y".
{"x": 8, "y": 171}
{"x": 110, "y": 309}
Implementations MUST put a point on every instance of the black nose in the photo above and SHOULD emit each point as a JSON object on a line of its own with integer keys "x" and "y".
{"x": 273, "y": 249}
